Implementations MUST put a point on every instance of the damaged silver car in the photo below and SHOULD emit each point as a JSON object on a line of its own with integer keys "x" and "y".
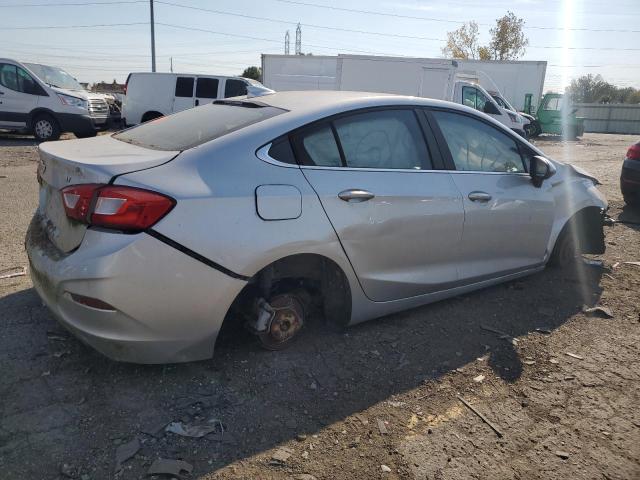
{"x": 251, "y": 210}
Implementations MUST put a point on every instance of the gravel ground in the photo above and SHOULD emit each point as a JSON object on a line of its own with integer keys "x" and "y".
{"x": 380, "y": 400}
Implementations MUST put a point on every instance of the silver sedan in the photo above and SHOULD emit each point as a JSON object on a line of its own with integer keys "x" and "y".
{"x": 251, "y": 210}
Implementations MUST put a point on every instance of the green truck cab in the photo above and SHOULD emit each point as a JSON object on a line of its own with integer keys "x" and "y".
{"x": 555, "y": 116}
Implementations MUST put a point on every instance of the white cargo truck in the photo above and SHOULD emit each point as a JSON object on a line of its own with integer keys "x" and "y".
{"x": 515, "y": 80}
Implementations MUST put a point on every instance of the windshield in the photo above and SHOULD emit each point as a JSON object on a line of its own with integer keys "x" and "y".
{"x": 503, "y": 103}
{"x": 196, "y": 126}
{"x": 54, "y": 76}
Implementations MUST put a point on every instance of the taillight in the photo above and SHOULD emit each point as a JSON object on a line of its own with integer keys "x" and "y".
{"x": 634, "y": 152}
{"x": 118, "y": 207}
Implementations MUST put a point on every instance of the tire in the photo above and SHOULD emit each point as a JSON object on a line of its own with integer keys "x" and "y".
{"x": 535, "y": 128}
{"x": 45, "y": 128}
{"x": 86, "y": 134}
{"x": 631, "y": 199}
{"x": 147, "y": 117}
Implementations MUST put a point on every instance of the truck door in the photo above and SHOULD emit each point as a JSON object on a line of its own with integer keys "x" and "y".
{"x": 206, "y": 90}
{"x": 18, "y": 96}
{"x": 183, "y": 94}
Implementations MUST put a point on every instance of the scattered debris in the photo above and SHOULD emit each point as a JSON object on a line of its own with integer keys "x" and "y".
{"x": 61, "y": 353}
{"x": 479, "y": 378}
{"x": 593, "y": 263}
{"x": 573, "y": 355}
{"x": 382, "y": 427}
{"x": 615, "y": 265}
{"x": 280, "y": 456}
{"x": 561, "y": 454}
{"x": 397, "y": 404}
{"x": 305, "y": 455}
{"x": 529, "y": 362}
{"x": 637, "y": 264}
{"x": 481, "y": 416}
{"x": 301, "y": 437}
{"x": 164, "y": 466}
{"x": 555, "y": 361}
{"x": 385, "y": 469}
{"x": 56, "y": 336}
{"x": 21, "y": 272}
{"x": 125, "y": 451}
{"x": 195, "y": 430}
{"x": 362, "y": 419}
{"x": 503, "y": 335}
{"x": 304, "y": 476}
{"x": 545, "y": 330}
{"x": 604, "y": 312}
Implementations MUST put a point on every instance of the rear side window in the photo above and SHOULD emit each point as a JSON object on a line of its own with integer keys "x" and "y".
{"x": 383, "y": 139}
{"x": 234, "y": 88}
{"x": 184, "y": 87}
{"x": 318, "y": 147}
{"x": 476, "y": 146}
{"x": 281, "y": 150}
{"x": 190, "y": 128}
{"x": 207, "y": 88}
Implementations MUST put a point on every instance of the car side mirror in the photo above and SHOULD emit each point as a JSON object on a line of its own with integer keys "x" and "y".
{"x": 540, "y": 169}
{"x": 491, "y": 109}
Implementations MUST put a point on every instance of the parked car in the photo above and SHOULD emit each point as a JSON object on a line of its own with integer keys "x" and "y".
{"x": 46, "y": 101}
{"x": 630, "y": 176}
{"x": 152, "y": 95}
{"x": 255, "y": 210}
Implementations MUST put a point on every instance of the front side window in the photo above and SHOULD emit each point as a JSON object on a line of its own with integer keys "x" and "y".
{"x": 477, "y": 146}
{"x": 9, "y": 76}
{"x": 383, "y": 139}
{"x": 469, "y": 96}
{"x": 552, "y": 104}
{"x": 207, "y": 88}
{"x": 234, "y": 88}
{"x": 26, "y": 84}
{"x": 184, "y": 87}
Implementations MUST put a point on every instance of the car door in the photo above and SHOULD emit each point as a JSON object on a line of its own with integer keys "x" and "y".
{"x": 18, "y": 96}
{"x": 398, "y": 218}
{"x": 183, "y": 98}
{"x": 206, "y": 90}
{"x": 234, "y": 88}
{"x": 508, "y": 220}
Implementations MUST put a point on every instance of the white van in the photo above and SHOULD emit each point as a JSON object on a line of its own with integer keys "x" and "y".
{"x": 47, "y": 101}
{"x": 153, "y": 95}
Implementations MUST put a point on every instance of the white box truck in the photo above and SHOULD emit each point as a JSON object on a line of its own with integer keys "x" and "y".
{"x": 514, "y": 80}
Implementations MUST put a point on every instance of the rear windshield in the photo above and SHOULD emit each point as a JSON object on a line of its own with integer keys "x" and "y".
{"x": 196, "y": 126}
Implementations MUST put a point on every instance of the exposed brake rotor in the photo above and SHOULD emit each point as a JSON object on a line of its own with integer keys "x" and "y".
{"x": 286, "y": 322}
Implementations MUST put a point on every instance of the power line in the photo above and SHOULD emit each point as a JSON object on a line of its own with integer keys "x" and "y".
{"x": 442, "y": 20}
{"x": 83, "y": 4}
{"x": 54, "y": 27}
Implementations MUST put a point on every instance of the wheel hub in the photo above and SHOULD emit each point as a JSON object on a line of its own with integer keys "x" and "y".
{"x": 43, "y": 129}
{"x": 286, "y": 323}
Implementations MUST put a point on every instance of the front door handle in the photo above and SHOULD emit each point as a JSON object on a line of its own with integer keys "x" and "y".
{"x": 479, "y": 197}
{"x": 355, "y": 195}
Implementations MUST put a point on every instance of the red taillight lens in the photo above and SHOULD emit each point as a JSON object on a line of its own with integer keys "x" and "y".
{"x": 634, "y": 152}
{"x": 110, "y": 206}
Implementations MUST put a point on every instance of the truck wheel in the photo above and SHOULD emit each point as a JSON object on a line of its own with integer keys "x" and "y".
{"x": 46, "y": 128}
{"x": 535, "y": 129}
{"x": 86, "y": 134}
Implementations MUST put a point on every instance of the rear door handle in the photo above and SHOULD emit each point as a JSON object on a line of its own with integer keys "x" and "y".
{"x": 355, "y": 195}
{"x": 479, "y": 197}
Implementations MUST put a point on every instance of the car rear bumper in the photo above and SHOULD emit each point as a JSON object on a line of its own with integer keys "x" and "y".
{"x": 166, "y": 306}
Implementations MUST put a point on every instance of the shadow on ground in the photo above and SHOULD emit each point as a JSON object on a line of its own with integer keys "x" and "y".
{"x": 62, "y": 403}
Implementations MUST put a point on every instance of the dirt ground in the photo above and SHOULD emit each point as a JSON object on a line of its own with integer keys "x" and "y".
{"x": 381, "y": 400}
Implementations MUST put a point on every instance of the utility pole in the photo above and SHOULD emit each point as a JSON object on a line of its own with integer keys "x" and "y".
{"x": 153, "y": 40}
{"x": 171, "y": 58}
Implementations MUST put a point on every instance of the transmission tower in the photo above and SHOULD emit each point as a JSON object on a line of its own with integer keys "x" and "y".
{"x": 298, "y": 40}
{"x": 286, "y": 43}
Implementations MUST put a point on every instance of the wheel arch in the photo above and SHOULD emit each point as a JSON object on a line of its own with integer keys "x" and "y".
{"x": 323, "y": 278}
{"x": 39, "y": 111}
{"x": 587, "y": 227}
{"x": 150, "y": 115}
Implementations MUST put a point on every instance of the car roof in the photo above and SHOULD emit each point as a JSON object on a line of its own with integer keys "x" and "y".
{"x": 320, "y": 103}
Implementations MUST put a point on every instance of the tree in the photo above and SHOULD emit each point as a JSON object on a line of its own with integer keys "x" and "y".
{"x": 463, "y": 43}
{"x": 507, "y": 41}
{"x": 507, "y": 38}
{"x": 595, "y": 89}
{"x": 252, "y": 72}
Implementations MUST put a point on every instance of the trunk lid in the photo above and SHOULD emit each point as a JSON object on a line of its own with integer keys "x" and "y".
{"x": 72, "y": 162}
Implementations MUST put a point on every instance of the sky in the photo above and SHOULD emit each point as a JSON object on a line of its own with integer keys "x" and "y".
{"x": 98, "y": 40}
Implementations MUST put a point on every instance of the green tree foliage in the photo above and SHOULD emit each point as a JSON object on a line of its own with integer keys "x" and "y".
{"x": 507, "y": 41}
{"x": 252, "y": 72}
{"x": 595, "y": 89}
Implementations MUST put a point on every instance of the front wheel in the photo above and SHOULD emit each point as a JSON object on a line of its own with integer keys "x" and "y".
{"x": 566, "y": 251}
{"x": 46, "y": 128}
